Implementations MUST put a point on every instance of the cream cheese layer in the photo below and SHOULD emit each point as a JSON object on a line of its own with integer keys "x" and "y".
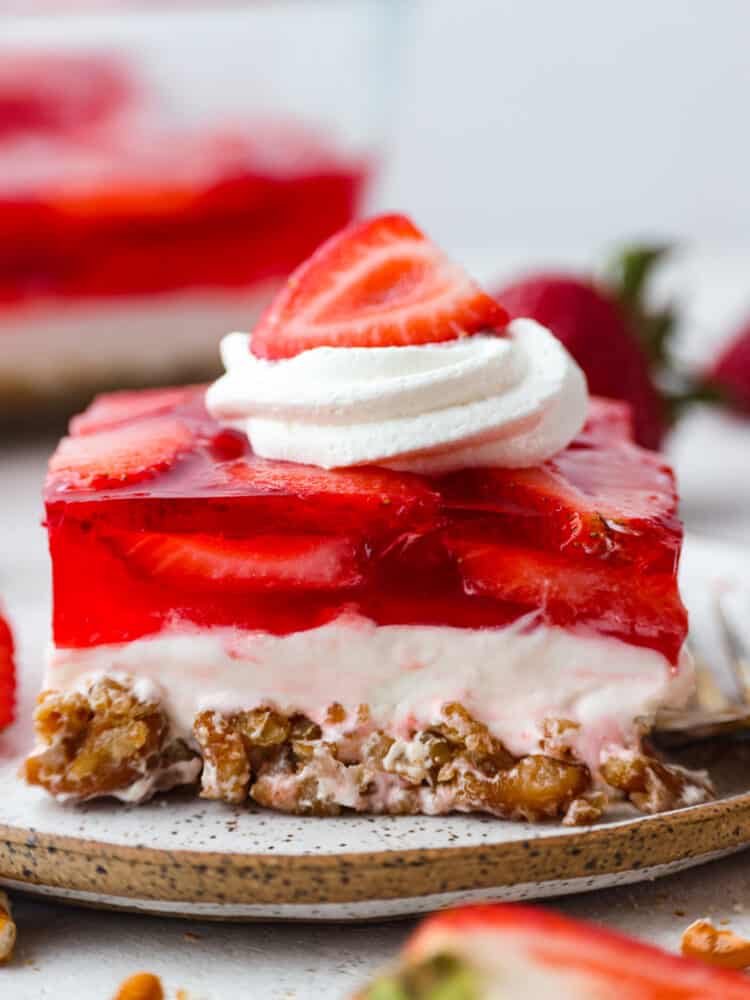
{"x": 511, "y": 678}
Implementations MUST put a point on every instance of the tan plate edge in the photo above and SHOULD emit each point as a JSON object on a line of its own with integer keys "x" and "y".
{"x": 190, "y": 876}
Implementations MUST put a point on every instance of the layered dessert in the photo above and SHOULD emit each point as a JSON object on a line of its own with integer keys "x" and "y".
{"x": 395, "y": 560}
{"x": 500, "y": 952}
{"x": 131, "y": 242}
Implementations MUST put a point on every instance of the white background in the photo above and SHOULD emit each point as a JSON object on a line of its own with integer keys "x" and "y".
{"x": 554, "y": 125}
{"x": 533, "y": 126}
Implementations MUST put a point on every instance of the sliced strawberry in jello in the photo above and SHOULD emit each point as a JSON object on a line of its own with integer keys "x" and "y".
{"x": 7, "y": 674}
{"x": 368, "y": 496}
{"x": 165, "y": 502}
{"x": 603, "y": 496}
{"x": 263, "y": 562}
{"x": 561, "y": 591}
{"x": 119, "y": 456}
{"x": 378, "y": 283}
{"x": 607, "y": 421}
{"x": 117, "y": 408}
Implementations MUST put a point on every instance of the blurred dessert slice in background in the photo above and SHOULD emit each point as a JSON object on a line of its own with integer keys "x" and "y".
{"x": 131, "y": 241}
{"x": 51, "y": 92}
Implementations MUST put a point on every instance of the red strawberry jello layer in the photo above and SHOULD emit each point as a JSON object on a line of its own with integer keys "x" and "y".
{"x": 366, "y": 638}
{"x": 131, "y": 243}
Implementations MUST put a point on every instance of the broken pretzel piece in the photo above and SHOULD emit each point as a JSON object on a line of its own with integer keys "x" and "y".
{"x": 717, "y": 947}
{"x": 7, "y": 929}
{"x": 141, "y": 986}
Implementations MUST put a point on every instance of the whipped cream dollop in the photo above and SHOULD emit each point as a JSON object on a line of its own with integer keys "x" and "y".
{"x": 512, "y": 400}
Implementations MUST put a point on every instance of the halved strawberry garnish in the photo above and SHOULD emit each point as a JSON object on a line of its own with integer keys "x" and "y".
{"x": 378, "y": 283}
{"x": 115, "y": 408}
{"x": 261, "y": 562}
{"x": 120, "y": 456}
{"x": 476, "y": 951}
{"x": 7, "y": 675}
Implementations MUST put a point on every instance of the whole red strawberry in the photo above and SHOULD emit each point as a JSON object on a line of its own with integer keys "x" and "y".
{"x": 730, "y": 372}
{"x": 7, "y": 674}
{"x": 619, "y": 343}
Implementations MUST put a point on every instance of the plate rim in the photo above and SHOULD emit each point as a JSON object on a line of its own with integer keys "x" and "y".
{"x": 225, "y": 878}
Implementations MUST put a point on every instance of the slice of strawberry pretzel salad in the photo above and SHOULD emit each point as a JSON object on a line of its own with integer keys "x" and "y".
{"x": 395, "y": 560}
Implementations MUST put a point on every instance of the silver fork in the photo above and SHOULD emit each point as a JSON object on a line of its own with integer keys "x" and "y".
{"x": 722, "y": 706}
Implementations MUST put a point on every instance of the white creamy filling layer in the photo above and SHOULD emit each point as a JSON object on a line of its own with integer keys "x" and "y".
{"x": 510, "y": 678}
{"x": 103, "y": 339}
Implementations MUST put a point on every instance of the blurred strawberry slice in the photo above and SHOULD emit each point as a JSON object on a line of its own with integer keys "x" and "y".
{"x": 114, "y": 408}
{"x": 120, "y": 456}
{"x": 262, "y": 562}
{"x": 379, "y": 283}
{"x": 7, "y": 674}
{"x": 491, "y": 951}
{"x": 730, "y": 372}
{"x": 46, "y": 91}
{"x": 608, "y": 420}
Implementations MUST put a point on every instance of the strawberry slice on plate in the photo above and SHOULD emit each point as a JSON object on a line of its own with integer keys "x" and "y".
{"x": 233, "y": 565}
{"x": 377, "y": 283}
{"x": 492, "y": 951}
{"x": 120, "y": 456}
{"x": 7, "y": 674}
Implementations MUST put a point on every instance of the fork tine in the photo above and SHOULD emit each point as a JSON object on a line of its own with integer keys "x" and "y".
{"x": 734, "y": 646}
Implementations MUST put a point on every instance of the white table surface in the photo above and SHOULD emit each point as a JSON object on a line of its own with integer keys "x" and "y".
{"x": 64, "y": 952}
{"x": 68, "y": 953}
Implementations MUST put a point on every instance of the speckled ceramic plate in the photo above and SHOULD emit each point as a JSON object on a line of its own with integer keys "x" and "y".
{"x": 180, "y": 856}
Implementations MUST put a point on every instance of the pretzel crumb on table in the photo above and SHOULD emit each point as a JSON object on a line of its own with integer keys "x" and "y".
{"x": 7, "y": 929}
{"x": 716, "y": 947}
{"x": 141, "y": 986}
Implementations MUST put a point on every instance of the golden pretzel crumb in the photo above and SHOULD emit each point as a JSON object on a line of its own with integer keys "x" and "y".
{"x": 141, "y": 986}
{"x": 108, "y": 738}
{"x": 723, "y": 948}
{"x": 7, "y": 929}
